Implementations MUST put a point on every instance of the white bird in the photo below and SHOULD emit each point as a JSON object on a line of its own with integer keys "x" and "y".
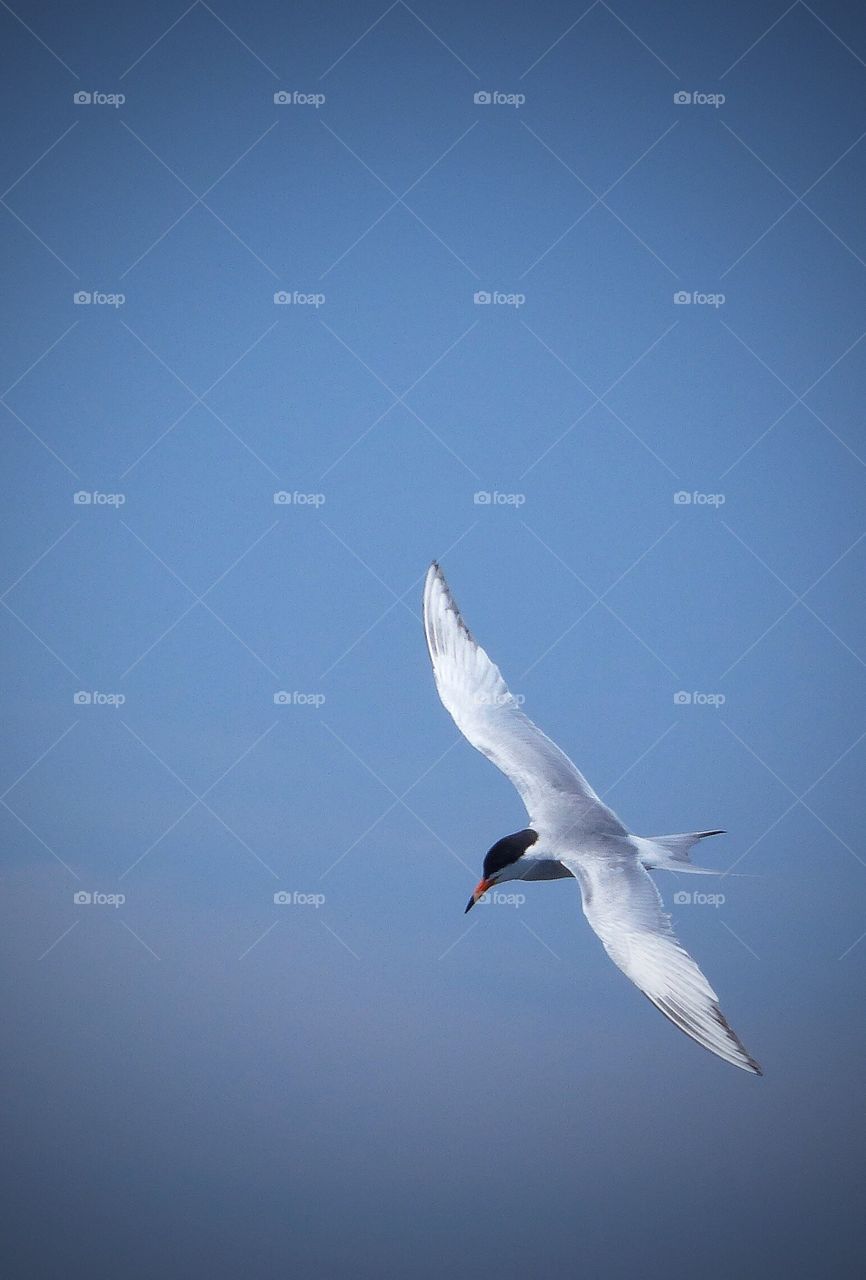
{"x": 571, "y": 832}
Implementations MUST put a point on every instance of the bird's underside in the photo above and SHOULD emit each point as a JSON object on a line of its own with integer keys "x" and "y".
{"x": 578, "y": 835}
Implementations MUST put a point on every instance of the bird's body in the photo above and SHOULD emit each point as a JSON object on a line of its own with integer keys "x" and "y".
{"x": 572, "y": 833}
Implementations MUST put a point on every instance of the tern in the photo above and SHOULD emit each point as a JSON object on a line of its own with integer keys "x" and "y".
{"x": 571, "y": 832}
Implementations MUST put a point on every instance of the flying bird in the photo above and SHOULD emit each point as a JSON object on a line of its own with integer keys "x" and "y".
{"x": 571, "y": 832}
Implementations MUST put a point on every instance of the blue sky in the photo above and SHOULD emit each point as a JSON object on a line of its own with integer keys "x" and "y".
{"x": 596, "y": 339}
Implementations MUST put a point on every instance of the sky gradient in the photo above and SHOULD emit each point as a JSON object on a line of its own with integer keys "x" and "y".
{"x": 573, "y": 298}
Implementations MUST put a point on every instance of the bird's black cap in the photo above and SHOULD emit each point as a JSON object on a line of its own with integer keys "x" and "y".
{"x": 508, "y": 850}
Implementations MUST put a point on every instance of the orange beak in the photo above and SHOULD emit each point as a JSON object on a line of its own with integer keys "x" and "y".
{"x": 480, "y": 889}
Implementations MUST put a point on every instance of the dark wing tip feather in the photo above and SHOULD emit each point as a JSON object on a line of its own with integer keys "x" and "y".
{"x": 450, "y": 602}
{"x": 732, "y": 1035}
{"x": 681, "y": 1019}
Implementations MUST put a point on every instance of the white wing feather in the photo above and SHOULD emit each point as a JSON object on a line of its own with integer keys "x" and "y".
{"x": 556, "y": 794}
{"x": 623, "y": 906}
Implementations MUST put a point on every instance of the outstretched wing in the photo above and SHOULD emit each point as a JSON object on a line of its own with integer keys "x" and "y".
{"x": 555, "y": 793}
{"x": 623, "y": 906}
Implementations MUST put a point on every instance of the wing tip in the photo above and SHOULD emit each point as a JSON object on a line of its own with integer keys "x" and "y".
{"x": 435, "y": 577}
{"x": 737, "y": 1054}
{"x": 437, "y": 602}
{"x": 749, "y": 1063}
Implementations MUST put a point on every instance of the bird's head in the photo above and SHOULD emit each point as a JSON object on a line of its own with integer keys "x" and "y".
{"x": 502, "y": 862}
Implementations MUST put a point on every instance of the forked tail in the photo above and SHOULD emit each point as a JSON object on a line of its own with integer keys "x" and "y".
{"x": 671, "y": 853}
